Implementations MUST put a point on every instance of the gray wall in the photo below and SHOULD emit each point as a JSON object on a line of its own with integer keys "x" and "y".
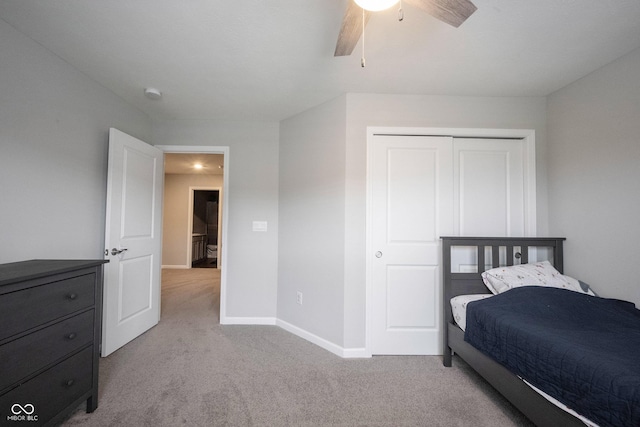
{"x": 252, "y": 261}
{"x": 594, "y": 176}
{"x": 54, "y": 125}
{"x": 311, "y": 240}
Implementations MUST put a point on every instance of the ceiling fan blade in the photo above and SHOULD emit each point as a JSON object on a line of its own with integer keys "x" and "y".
{"x": 351, "y": 29}
{"x": 453, "y": 12}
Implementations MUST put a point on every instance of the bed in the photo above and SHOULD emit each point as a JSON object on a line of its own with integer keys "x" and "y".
{"x": 464, "y": 278}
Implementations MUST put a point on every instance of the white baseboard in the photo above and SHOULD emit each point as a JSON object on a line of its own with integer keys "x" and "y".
{"x": 356, "y": 353}
{"x": 321, "y": 342}
{"x": 248, "y": 320}
{"x": 346, "y": 353}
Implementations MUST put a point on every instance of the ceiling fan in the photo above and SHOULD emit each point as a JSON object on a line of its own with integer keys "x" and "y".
{"x": 453, "y": 12}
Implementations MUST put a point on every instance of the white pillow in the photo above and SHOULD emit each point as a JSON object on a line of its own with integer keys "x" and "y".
{"x": 502, "y": 279}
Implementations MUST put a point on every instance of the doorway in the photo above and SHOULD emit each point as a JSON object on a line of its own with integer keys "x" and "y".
{"x": 177, "y": 241}
{"x": 205, "y": 217}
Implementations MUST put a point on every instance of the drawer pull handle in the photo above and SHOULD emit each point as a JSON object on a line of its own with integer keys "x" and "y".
{"x": 71, "y": 336}
{"x": 69, "y": 383}
{"x": 72, "y": 296}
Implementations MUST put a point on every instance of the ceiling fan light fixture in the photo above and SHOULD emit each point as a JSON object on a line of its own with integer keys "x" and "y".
{"x": 376, "y": 5}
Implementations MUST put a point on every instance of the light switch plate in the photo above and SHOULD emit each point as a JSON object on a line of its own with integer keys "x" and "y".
{"x": 259, "y": 225}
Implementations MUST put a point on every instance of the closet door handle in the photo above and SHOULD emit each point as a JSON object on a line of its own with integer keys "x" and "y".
{"x": 115, "y": 251}
{"x": 379, "y": 254}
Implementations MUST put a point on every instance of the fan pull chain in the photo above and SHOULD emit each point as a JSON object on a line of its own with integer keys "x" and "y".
{"x": 362, "y": 61}
{"x": 400, "y": 13}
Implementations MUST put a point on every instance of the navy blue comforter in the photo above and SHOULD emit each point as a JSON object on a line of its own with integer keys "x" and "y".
{"x": 582, "y": 350}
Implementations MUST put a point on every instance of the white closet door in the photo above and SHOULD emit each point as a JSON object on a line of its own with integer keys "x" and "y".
{"x": 411, "y": 208}
{"x": 422, "y": 188}
{"x": 489, "y": 193}
{"x": 488, "y": 187}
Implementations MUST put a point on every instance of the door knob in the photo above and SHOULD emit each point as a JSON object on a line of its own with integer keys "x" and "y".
{"x": 115, "y": 251}
{"x": 378, "y": 254}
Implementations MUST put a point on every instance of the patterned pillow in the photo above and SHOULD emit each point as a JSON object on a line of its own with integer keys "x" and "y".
{"x": 502, "y": 279}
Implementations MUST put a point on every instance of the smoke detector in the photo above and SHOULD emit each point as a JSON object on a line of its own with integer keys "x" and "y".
{"x": 152, "y": 93}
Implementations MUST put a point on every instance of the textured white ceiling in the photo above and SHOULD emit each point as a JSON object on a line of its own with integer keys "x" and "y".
{"x": 266, "y": 60}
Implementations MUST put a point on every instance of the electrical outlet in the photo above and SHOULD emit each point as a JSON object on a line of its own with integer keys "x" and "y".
{"x": 299, "y": 297}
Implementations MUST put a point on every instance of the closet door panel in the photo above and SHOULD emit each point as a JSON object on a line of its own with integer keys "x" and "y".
{"x": 421, "y": 188}
{"x": 488, "y": 187}
{"x": 411, "y": 209}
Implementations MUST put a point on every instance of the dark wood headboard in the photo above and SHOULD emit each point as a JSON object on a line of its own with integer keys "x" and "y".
{"x": 456, "y": 283}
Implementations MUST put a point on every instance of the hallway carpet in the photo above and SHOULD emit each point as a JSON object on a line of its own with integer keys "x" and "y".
{"x": 189, "y": 370}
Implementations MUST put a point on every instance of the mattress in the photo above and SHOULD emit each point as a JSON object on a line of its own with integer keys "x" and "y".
{"x": 459, "y": 311}
{"x": 459, "y": 307}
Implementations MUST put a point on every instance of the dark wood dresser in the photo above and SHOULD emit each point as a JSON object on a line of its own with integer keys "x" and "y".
{"x": 50, "y": 334}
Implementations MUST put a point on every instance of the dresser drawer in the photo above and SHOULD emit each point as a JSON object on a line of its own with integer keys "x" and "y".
{"x": 50, "y": 392}
{"x": 22, "y": 310}
{"x": 33, "y": 352}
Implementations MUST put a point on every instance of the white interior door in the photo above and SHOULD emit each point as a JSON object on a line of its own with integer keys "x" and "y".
{"x": 411, "y": 207}
{"x": 133, "y": 240}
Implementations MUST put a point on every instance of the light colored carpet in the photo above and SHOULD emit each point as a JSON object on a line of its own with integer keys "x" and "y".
{"x": 189, "y": 370}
